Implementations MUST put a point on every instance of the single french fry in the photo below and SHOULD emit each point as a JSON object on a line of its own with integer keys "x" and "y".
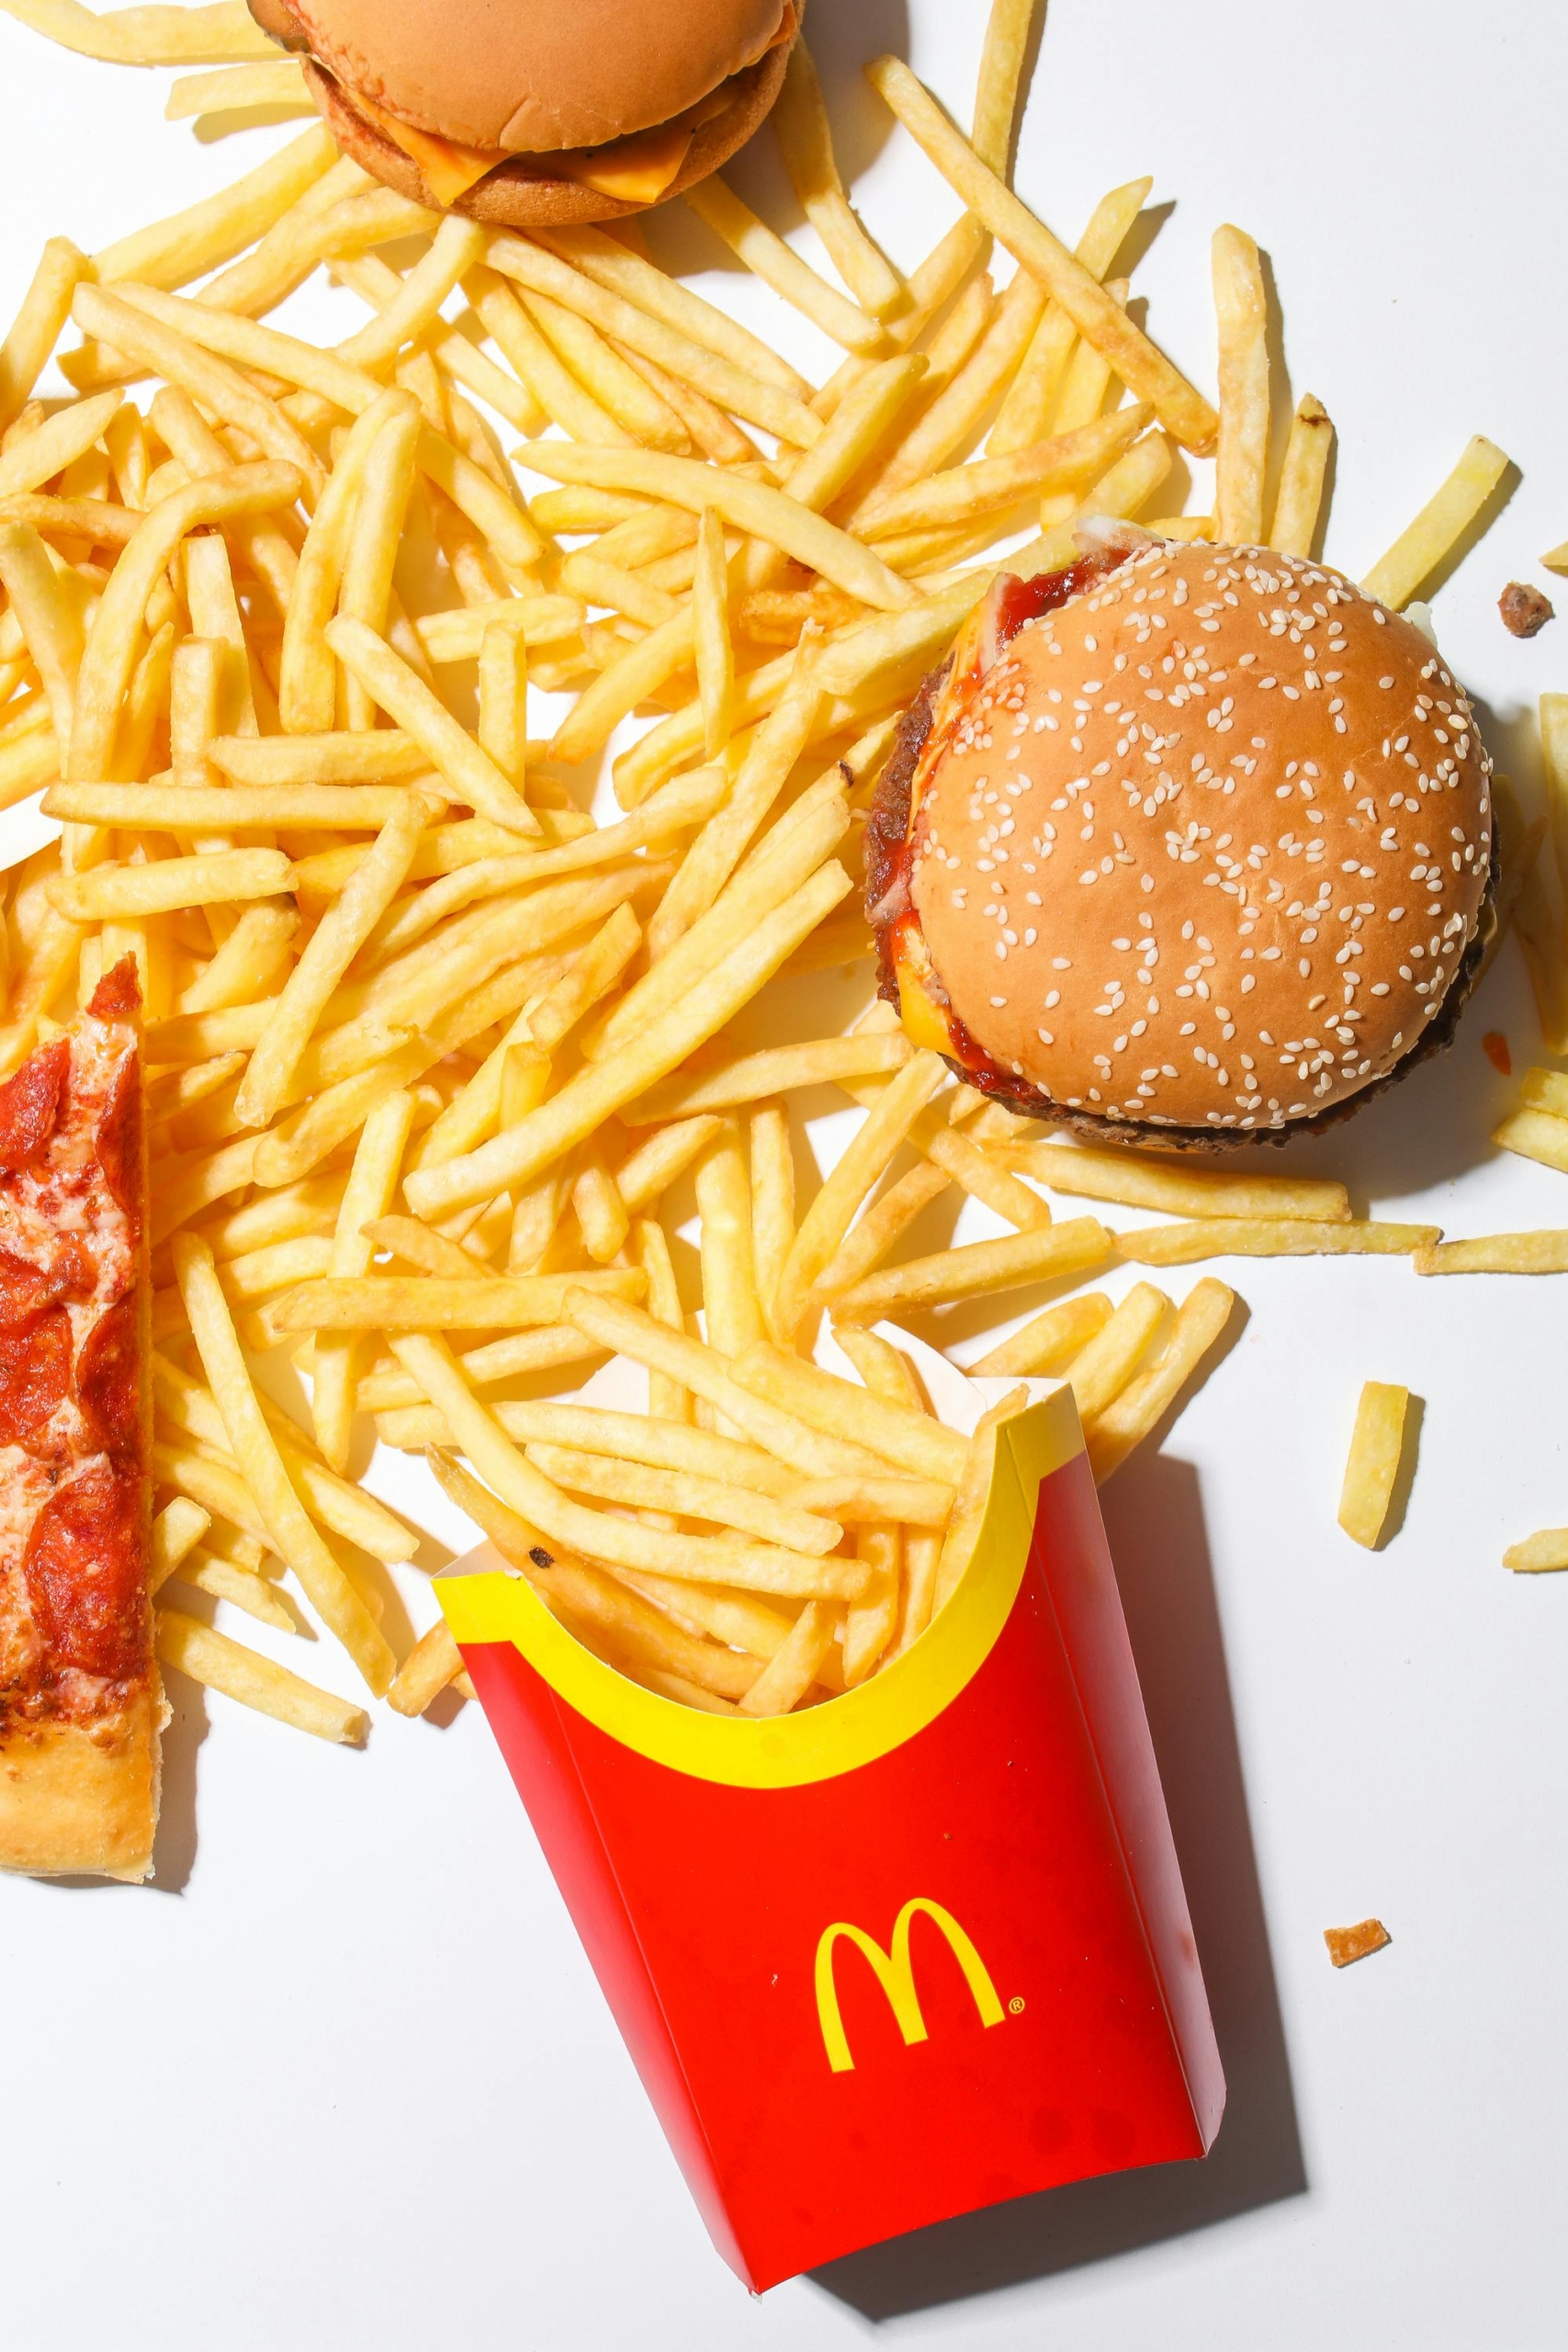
{"x": 1298, "y": 502}
{"x": 197, "y": 808}
{"x": 774, "y": 1069}
{"x": 1221, "y": 1237}
{"x": 237, "y": 980}
{"x": 751, "y": 506}
{"x": 242, "y": 1587}
{"x": 977, "y": 1267}
{"x": 1546, "y": 1550}
{"x": 1101, "y": 1371}
{"x": 1146, "y": 1180}
{"x": 551, "y": 1347}
{"x": 711, "y": 640}
{"x": 872, "y": 1235}
{"x": 37, "y": 327}
{"x": 1127, "y": 1421}
{"x": 1431, "y": 538}
{"x": 37, "y": 457}
{"x": 792, "y": 1668}
{"x": 1147, "y": 374}
{"x": 654, "y": 1165}
{"x": 431, "y": 1667}
{"x": 946, "y": 500}
{"x": 598, "y": 1535}
{"x": 231, "y": 89}
{"x": 1498, "y": 1253}
{"x": 996, "y": 89}
{"x": 437, "y": 1303}
{"x": 286, "y": 1522}
{"x": 458, "y": 245}
{"x": 211, "y": 1657}
{"x": 856, "y": 437}
{"x": 597, "y": 1091}
{"x": 177, "y": 1528}
{"x": 332, "y": 947}
{"x": 1049, "y": 1341}
{"x": 367, "y": 1194}
{"x": 49, "y": 621}
{"x": 1377, "y": 1446}
{"x": 1241, "y": 310}
{"x": 732, "y": 1309}
{"x": 778, "y": 266}
{"x": 805, "y": 141}
{"x": 105, "y": 893}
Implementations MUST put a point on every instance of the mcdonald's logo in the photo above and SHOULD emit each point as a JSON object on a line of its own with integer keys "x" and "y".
{"x": 893, "y": 1971}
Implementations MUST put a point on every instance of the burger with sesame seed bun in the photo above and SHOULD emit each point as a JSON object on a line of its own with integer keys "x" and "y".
{"x": 1185, "y": 846}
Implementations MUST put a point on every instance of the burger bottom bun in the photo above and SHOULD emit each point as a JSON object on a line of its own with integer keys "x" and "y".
{"x": 889, "y": 823}
{"x": 521, "y": 193}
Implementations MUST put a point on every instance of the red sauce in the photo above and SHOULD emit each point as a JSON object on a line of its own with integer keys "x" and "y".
{"x": 108, "y": 1388}
{"x": 118, "y": 995}
{"x": 890, "y": 844}
{"x": 118, "y": 1142}
{"x": 86, "y": 1575}
{"x": 29, "y": 1106}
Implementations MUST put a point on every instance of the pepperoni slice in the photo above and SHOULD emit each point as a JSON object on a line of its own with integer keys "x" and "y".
{"x": 26, "y": 1289}
{"x": 29, "y": 1106}
{"x": 118, "y": 995}
{"x": 107, "y": 1385}
{"x": 86, "y": 1575}
{"x": 35, "y": 1372}
{"x": 118, "y": 1140}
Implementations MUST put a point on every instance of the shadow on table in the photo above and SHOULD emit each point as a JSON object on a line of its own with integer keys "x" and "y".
{"x": 1155, "y": 1519}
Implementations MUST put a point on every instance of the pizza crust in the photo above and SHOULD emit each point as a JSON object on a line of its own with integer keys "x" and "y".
{"x": 79, "y": 1799}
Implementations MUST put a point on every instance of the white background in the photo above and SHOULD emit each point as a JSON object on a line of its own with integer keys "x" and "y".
{"x": 342, "y": 2078}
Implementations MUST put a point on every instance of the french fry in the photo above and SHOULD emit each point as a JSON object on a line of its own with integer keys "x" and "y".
{"x": 49, "y": 622}
{"x": 1298, "y": 502}
{"x": 869, "y": 1621}
{"x": 35, "y": 329}
{"x": 755, "y": 245}
{"x": 732, "y": 1310}
{"x": 866, "y": 1162}
{"x": 996, "y": 89}
{"x": 188, "y": 243}
{"x": 597, "y": 1535}
{"x": 872, "y": 1235}
{"x": 594, "y": 1094}
{"x": 549, "y": 1347}
{"x": 234, "y": 88}
{"x": 1146, "y": 1181}
{"x": 108, "y": 892}
{"x": 977, "y": 1267}
{"x": 807, "y": 1449}
{"x": 1200, "y": 1322}
{"x": 286, "y": 1522}
{"x": 1546, "y": 1550}
{"x": 431, "y": 1667}
{"x": 710, "y": 628}
{"x": 367, "y": 1194}
{"x": 1049, "y": 1341}
{"x": 606, "y": 261}
{"x": 435, "y": 1303}
{"x": 1147, "y": 374}
{"x": 211, "y": 1657}
{"x": 255, "y": 955}
{"x": 1498, "y": 1253}
{"x": 895, "y": 1433}
{"x": 177, "y": 1528}
{"x": 1101, "y": 1371}
{"x": 751, "y": 506}
{"x": 453, "y": 752}
{"x": 1371, "y": 1470}
{"x": 806, "y": 142}
{"x": 194, "y": 808}
{"x": 943, "y": 501}
{"x": 792, "y": 1668}
{"x": 1219, "y": 1237}
{"x": 457, "y": 246}
{"x": 55, "y": 443}
{"x": 642, "y": 413}
{"x": 1431, "y": 538}
{"x": 331, "y": 949}
{"x": 1241, "y": 310}
{"x": 730, "y": 385}
{"x": 969, "y": 1504}
{"x": 774, "y": 1069}
{"x": 687, "y": 1495}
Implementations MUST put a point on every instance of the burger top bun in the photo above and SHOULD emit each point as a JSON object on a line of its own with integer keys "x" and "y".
{"x": 1207, "y": 846}
{"x": 530, "y": 75}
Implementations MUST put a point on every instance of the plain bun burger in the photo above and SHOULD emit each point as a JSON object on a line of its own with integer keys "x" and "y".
{"x": 539, "y": 113}
{"x": 1189, "y": 845}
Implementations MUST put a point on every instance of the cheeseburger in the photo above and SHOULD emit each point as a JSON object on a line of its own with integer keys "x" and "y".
{"x": 1186, "y": 845}
{"x": 539, "y": 113}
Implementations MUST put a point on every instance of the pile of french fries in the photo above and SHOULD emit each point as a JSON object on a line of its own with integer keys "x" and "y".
{"x": 429, "y": 1048}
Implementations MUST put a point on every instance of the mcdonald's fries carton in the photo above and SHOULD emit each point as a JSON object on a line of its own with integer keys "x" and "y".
{"x": 911, "y": 1950}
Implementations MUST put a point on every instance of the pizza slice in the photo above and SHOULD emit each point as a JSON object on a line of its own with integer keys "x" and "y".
{"x": 81, "y": 1703}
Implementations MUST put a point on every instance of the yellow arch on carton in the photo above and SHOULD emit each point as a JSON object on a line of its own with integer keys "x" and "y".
{"x": 787, "y": 1751}
{"x": 895, "y": 1972}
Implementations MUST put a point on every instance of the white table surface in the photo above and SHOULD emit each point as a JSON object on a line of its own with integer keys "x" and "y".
{"x": 342, "y": 2076}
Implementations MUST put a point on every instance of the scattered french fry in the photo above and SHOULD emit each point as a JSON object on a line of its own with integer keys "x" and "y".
{"x": 1377, "y": 1449}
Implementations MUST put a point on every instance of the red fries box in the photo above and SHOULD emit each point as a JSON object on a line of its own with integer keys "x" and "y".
{"x": 912, "y": 1951}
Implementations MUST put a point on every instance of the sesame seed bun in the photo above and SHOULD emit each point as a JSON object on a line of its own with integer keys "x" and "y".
{"x": 1204, "y": 857}
{"x": 533, "y": 78}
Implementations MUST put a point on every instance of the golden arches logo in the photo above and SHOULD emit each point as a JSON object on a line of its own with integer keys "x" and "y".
{"x": 893, "y": 1971}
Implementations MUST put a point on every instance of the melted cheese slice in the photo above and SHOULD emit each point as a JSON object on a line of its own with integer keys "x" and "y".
{"x": 636, "y": 169}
